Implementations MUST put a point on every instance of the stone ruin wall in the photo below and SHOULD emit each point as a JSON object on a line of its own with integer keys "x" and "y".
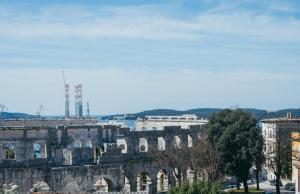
{"x": 83, "y": 165}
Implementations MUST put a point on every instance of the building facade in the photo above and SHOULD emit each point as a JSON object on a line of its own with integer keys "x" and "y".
{"x": 160, "y": 122}
{"x": 271, "y": 130}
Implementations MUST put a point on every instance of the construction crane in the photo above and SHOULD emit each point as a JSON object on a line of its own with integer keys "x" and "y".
{"x": 3, "y": 108}
{"x": 40, "y": 109}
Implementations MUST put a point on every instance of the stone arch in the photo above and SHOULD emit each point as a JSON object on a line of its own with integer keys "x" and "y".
{"x": 143, "y": 181}
{"x": 103, "y": 184}
{"x": 190, "y": 141}
{"x": 175, "y": 178}
{"x": 126, "y": 187}
{"x": 162, "y": 181}
{"x": 40, "y": 186}
{"x": 177, "y": 142}
{"x": 10, "y": 151}
{"x": 143, "y": 145}
{"x": 123, "y": 145}
{"x": 190, "y": 175}
{"x": 72, "y": 187}
{"x": 161, "y": 143}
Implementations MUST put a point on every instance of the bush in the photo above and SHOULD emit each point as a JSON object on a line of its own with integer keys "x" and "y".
{"x": 202, "y": 187}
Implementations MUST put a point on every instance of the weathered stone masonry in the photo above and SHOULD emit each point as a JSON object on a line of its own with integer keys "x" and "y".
{"x": 85, "y": 154}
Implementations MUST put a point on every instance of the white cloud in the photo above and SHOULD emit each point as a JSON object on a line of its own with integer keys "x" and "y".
{"x": 148, "y": 22}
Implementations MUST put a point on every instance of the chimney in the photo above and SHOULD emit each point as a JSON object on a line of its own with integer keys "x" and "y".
{"x": 289, "y": 115}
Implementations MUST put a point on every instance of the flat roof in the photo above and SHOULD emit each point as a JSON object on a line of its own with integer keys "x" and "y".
{"x": 283, "y": 119}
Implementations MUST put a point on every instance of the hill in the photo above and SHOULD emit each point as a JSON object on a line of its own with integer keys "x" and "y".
{"x": 206, "y": 113}
{"x": 9, "y": 115}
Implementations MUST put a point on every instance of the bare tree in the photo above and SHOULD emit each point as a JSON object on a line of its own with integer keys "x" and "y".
{"x": 201, "y": 158}
{"x": 279, "y": 155}
{"x": 204, "y": 159}
{"x": 175, "y": 156}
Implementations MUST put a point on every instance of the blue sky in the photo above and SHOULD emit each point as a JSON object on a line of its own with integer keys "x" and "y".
{"x": 137, "y": 55}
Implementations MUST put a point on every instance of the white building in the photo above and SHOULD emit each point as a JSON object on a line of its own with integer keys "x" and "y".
{"x": 159, "y": 122}
{"x": 271, "y": 128}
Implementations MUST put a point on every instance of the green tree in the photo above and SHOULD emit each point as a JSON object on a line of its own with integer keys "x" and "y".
{"x": 233, "y": 134}
{"x": 202, "y": 187}
{"x": 258, "y": 154}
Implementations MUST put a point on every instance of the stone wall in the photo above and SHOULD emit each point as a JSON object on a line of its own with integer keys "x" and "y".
{"x": 83, "y": 155}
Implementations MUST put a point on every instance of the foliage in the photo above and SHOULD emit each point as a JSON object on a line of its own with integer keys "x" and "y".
{"x": 233, "y": 134}
{"x": 9, "y": 154}
{"x": 259, "y": 157}
{"x": 202, "y": 187}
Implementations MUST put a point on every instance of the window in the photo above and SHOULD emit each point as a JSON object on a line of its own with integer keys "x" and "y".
{"x": 143, "y": 145}
{"x": 161, "y": 143}
{"x": 9, "y": 151}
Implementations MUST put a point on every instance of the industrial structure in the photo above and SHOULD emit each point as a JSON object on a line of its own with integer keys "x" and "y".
{"x": 78, "y": 100}
{"x": 67, "y": 89}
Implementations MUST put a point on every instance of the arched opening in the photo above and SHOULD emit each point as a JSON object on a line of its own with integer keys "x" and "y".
{"x": 190, "y": 141}
{"x": 9, "y": 151}
{"x": 126, "y": 188}
{"x": 143, "y": 182}
{"x": 177, "y": 142}
{"x": 123, "y": 145}
{"x": 161, "y": 143}
{"x": 104, "y": 185}
{"x": 67, "y": 155}
{"x": 72, "y": 187}
{"x": 88, "y": 144}
{"x": 37, "y": 150}
{"x": 40, "y": 186}
{"x": 77, "y": 144}
{"x": 176, "y": 174}
{"x": 143, "y": 145}
{"x": 162, "y": 181}
{"x": 190, "y": 175}
{"x": 97, "y": 154}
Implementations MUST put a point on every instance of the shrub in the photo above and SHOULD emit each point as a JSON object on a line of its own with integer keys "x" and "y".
{"x": 202, "y": 187}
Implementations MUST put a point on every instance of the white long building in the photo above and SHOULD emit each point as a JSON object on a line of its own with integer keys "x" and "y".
{"x": 159, "y": 122}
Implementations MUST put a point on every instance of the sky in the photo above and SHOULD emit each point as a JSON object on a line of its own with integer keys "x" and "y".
{"x": 135, "y": 55}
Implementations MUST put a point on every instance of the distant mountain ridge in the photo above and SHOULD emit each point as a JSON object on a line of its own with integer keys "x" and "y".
{"x": 10, "y": 115}
{"x": 207, "y": 112}
{"x": 200, "y": 112}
